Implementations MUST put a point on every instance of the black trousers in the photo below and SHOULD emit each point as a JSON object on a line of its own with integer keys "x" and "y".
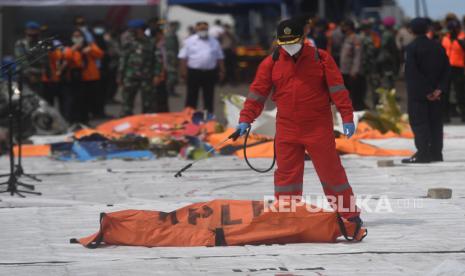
{"x": 52, "y": 91}
{"x": 94, "y": 94}
{"x": 457, "y": 82}
{"x": 161, "y": 98}
{"x": 72, "y": 99}
{"x": 230, "y": 64}
{"x": 109, "y": 84}
{"x": 426, "y": 122}
{"x": 204, "y": 79}
{"x": 357, "y": 90}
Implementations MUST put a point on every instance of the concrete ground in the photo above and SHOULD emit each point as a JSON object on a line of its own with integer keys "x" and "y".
{"x": 419, "y": 236}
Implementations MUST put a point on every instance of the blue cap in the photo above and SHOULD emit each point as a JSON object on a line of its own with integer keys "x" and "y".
{"x": 136, "y": 23}
{"x": 32, "y": 25}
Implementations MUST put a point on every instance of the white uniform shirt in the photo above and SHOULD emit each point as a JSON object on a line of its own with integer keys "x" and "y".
{"x": 202, "y": 54}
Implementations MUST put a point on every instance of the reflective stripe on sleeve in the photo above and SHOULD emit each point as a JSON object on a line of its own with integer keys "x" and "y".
{"x": 256, "y": 97}
{"x": 336, "y": 188}
{"x": 337, "y": 88}
{"x": 288, "y": 188}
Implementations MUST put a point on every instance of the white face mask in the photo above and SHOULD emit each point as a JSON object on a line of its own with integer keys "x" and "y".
{"x": 99, "y": 30}
{"x": 292, "y": 49}
{"x": 77, "y": 40}
{"x": 203, "y": 34}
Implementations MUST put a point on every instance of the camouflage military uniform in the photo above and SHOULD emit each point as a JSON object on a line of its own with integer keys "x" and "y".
{"x": 139, "y": 63}
{"x": 369, "y": 66}
{"x": 32, "y": 68}
{"x": 388, "y": 59}
{"x": 171, "y": 66}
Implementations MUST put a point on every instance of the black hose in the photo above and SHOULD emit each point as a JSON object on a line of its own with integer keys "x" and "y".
{"x": 247, "y": 160}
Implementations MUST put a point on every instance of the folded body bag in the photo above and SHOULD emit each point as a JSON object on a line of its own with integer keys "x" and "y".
{"x": 220, "y": 223}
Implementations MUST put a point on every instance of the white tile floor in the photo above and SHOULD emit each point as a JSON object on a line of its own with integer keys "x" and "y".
{"x": 428, "y": 239}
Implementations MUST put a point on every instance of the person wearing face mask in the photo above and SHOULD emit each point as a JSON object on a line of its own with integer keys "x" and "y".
{"x": 454, "y": 44}
{"x": 84, "y": 74}
{"x": 80, "y": 23}
{"x": 70, "y": 71}
{"x": 305, "y": 81}
{"x": 201, "y": 65}
{"x": 351, "y": 64}
{"x": 140, "y": 68}
{"x": 31, "y": 73}
{"x": 103, "y": 64}
{"x": 172, "y": 63}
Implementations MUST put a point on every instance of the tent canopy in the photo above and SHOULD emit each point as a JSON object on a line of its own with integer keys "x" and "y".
{"x": 77, "y": 2}
{"x": 222, "y": 2}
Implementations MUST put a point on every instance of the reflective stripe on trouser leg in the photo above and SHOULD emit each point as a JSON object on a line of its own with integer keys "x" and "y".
{"x": 332, "y": 175}
{"x": 291, "y": 189}
{"x": 289, "y": 175}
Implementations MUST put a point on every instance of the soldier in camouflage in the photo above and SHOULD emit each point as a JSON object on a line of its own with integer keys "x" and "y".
{"x": 139, "y": 68}
{"x": 172, "y": 62}
{"x": 389, "y": 57}
{"x": 369, "y": 66}
{"x": 32, "y": 72}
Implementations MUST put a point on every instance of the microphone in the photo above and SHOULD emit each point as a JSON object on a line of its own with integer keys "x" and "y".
{"x": 46, "y": 44}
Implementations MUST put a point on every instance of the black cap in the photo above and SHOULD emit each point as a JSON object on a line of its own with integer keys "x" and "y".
{"x": 289, "y": 32}
{"x": 419, "y": 26}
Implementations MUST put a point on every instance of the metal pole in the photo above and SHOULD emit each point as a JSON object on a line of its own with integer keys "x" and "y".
{"x": 283, "y": 10}
{"x": 163, "y": 9}
{"x": 10, "y": 122}
{"x": 19, "y": 134}
{"x": 1, "y": 32}
{"x": 425, "y": 8}
{"x": 417, "y": 8}
{"x": 322, "y": 8}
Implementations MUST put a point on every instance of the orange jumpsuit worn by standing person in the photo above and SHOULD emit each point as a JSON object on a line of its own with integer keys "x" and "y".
{"x": 303, "y": 90}
{"x": 87, "y": 99}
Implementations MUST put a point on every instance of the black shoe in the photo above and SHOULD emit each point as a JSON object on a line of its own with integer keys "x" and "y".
{"x": 437, "y": 158}
{"x": 416, "y": 160}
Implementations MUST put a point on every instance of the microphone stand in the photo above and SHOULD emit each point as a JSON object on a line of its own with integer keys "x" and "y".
{"x": 13, "y": 182}
{"x": 19, "y": 171}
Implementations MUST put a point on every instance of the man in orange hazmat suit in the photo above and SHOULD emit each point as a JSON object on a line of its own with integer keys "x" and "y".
{"x": 304, "y": 82}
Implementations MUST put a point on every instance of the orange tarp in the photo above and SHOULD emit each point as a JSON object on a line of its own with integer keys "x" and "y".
{"x": 149, "y": 125}
{"x": 89, "y": 131}
{"x": 365, "y": 131}
{"x": 218, "y": 222}
{"x": 343, "y": 145}
{"x": 356, "y": 147}
{"x": 266, "y": 150}
{"x": 172, "y": 124}
{"x": 219, "y": 137}
{"x": 33, "y": 150}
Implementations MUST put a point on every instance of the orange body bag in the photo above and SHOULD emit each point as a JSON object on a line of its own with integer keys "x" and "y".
{"x": 219, "y": 223}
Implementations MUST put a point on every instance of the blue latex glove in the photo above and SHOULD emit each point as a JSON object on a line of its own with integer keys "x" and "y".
{"x": 242, "y": 127}
{"x": 349, "y": 129}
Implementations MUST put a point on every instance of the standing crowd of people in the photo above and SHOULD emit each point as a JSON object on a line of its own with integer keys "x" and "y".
{"x": 85, "y": 70}
{"x": 371, "y": 54}
{"x": 148, "y": 58}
